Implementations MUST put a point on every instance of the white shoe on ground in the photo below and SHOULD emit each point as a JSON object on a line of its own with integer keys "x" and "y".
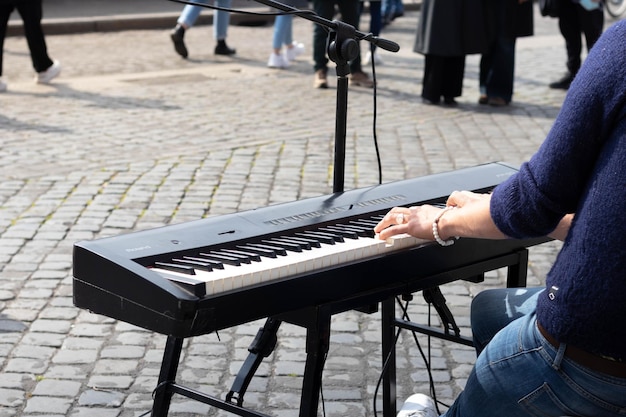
{"x": 368, "y": 58}
{"x": 295, "y": 51}
{"x": 44, "y": 77}
{"x": 418, "y": 405}
{"x": 3, "y": 85}
{"x": 277, "y": 61}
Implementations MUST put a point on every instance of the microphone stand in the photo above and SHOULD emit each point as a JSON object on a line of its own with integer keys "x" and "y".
{"x": 342, "y": 47}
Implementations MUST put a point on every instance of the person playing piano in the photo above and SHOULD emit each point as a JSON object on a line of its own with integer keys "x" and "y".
{"x": 567, "y": 355}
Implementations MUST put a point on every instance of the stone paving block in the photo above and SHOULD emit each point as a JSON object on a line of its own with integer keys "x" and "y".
{"x": 101, "y": 398}
{"x": 11, "y": 397}
{"x": 50, "y": 326}
{"x": 57, "y": 388}
{"x": 122, "y": 352}
{"x": 76, "y": 372}
{"x": 75, "y": 357}
{"x": 94, "y": 412}
{"x": 117, "y": 366}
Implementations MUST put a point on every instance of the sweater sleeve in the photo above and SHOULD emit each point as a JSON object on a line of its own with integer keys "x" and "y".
{"x": 552, "y": 182}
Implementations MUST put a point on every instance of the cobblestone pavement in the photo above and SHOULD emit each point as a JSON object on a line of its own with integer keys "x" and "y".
{"x": 132, "y": 137}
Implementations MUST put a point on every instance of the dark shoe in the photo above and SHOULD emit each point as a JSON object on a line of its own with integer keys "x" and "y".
{"x": 497, "y": 102}
{"x": 222, "y": 49}
{"x": 361, "y": 79}
{"x": 320, "y": 80}
{"x": 449, "y": 101}
{"x": 483, "y": 100}
{"x": 430, "y": 102}
{"x": 179, "y": 44}
{"x": 563, "y": 83}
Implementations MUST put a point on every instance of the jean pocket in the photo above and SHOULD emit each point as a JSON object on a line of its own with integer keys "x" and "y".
{"x": 543, "y": 402}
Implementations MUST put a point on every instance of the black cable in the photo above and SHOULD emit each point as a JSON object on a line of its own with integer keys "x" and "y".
{"x": 385, "y": 366}
{"x": 405, "y": 316}
{"x": 374, "y": 117}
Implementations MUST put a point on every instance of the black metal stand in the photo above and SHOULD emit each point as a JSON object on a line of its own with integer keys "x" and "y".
{"x": 317, "y": 322}
{"x": 261, "y": 347}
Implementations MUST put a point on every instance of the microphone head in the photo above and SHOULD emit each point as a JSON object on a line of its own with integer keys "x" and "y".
{"x": 386, "y": 44}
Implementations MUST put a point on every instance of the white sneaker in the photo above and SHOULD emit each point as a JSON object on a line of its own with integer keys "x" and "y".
{"x": 418, "y": 405}
{"x": 44, "y": 77}
{"x": 277, "y": 61}
{"x": 296, "y": 50}
{"x": 3, "y": 85}
{"x": 368, "y": 59}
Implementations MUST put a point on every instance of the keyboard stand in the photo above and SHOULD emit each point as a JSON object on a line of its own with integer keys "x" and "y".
{"x": 317, "y": 320}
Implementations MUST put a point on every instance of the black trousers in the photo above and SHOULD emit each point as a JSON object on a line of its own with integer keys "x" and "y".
{"x": 443, "y": 76}
{"x": 575, "y": 20}
{"x": 31, "y": 13}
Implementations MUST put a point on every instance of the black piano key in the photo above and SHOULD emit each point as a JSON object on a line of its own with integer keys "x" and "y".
{"x": 204, "y": 266}
{"x": 250, "y": 255}
{"x": 277, "y": 249}
{"x": 342, "y": 232}
{"x": 366, "y": 222}
{"x": 183, "y": 269}
{"x": 284, "y": 243}
{"x": 242, "y": 258}
{"x": 320, "y": 237}
{"x": 313, "y": 243}
{"x": 214, "y": 264}
{"x": 265, "y": 252}
{"x": 362, "y": 231}
{"x": 228, "y": 260}
{"x": 336, "y": 236}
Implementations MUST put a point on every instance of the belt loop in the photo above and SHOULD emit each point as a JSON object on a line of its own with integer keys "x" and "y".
{"x": 559, "y": 356}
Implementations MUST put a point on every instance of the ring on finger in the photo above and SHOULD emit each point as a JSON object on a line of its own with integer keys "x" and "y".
{"x": 400, "y": 218}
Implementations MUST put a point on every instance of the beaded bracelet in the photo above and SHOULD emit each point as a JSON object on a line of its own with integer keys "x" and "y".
{"x": 436, "y": 229}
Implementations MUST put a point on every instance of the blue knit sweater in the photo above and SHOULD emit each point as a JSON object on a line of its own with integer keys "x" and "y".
{"x": 581, "y": 168}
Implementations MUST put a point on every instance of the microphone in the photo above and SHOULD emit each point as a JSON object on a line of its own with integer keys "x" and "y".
{"x": 385, "y": 44}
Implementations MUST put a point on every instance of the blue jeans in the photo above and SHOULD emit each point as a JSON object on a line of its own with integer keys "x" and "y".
{"x": 282, "y": 31}
{"x": 190, "y": 14}
{"x": 520, "y": 374}
{"x": 391, "y": 7}
{"x": 493, "y": 310}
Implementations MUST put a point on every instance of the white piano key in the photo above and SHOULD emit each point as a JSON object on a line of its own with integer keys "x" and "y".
{"x": 294, "y": 263}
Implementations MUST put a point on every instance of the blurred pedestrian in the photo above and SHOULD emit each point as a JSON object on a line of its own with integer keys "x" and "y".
{"x": 391, "y": 9}
{"x": 284, "y": 48}
{"x": 349, "y": 10}
{"x": 31, "y": 12}
{"x": 447, "y": 32}
{"x": 574, "y": 20}
{"x": 188, "y": 17}
{"x": 506, "y": 20}
{"x": 376, "y": 25}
